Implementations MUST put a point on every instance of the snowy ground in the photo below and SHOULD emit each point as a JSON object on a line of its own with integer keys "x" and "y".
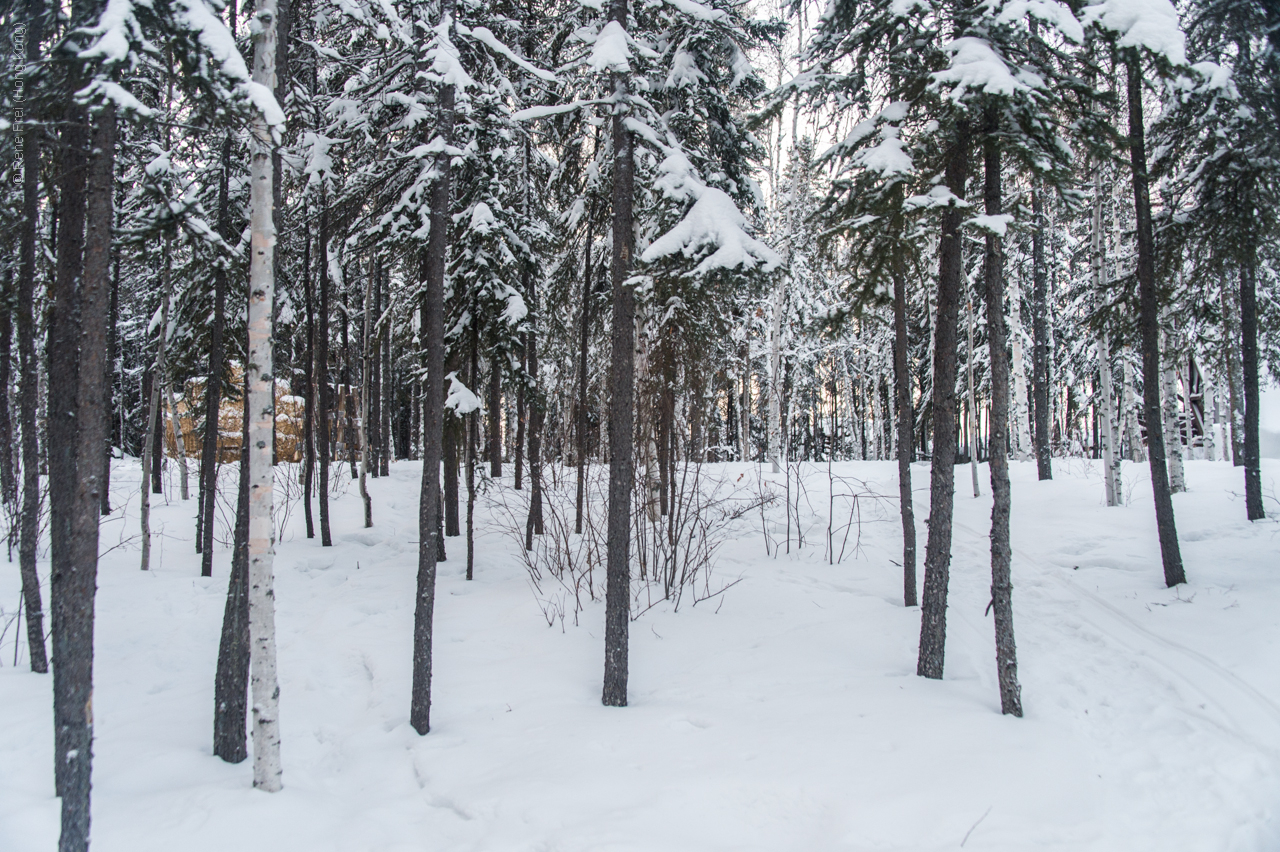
{"x": 788, "y": 718}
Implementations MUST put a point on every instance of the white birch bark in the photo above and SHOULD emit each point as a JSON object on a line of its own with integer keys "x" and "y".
{"x": 1210, "y": 420}
{"x": 153, "y": 407}
{"x": 264, "y": 687}
{"x": 1106, "y": 413}
{"x": 1169, "y": 410}
{"x": 744, "y": 401}
{"x": 179, "y": 443}
{"x": 775, "y": 375}
{"x": 1136, "y": 451}
{"x": 1021, "y": 410}
{"x": 364, "y": 398}
{"x": 971, "y": 404}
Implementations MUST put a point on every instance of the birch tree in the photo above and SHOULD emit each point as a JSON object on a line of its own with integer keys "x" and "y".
{"x": 265, "y": 133}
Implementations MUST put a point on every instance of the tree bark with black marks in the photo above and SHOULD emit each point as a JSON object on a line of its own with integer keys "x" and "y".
{"x": 1234, "y": 369}
{"x": 1149, "y": 327}
{"x": 1001, "y": 553}
{"x": 433, "y": 261}
{"x": 937, "y": 561}
{"x": 260, "y": 377}
{"x": 1040, "y": 330}
{"x": 622, "y": 398}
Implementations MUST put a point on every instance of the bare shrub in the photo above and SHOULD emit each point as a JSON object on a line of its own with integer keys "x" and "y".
{"x": 673, "y": 554}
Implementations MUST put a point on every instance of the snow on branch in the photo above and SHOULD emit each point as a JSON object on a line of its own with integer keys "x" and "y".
{"x": 1149, "y": 24}
{"x": 116, "y": 30}
{"x": 446, "y": 62}
{"x": 998, "y": 225}
{"x": 536, "y": 112}
{"x": 974, "y": 65}
{"x": 611, "y": 51}
{"x": 713, "y": 220}
{"x": 939, "y": 196}
{"x": 699, "y": 11}
{"x": 460, "y": 399}
{"x": 486, "y": 37}
{"x": 106, "y": 91}
{"x": 1051, "y": 12}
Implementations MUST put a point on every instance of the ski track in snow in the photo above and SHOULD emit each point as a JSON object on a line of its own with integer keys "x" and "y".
{"x": 784, "y": 716}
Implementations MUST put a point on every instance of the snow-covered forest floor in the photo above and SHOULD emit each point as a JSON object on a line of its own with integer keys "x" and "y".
{"x": 784, "y": 714}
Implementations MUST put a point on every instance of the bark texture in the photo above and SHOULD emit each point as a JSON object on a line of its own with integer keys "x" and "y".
{"x": 1249, "y": 360}
{"x": 906, "y": 427}
{"x": 1149, "y": 326}
{"x": 1001, "y": 554}
{"x": 621, "y": 402}
{"x": 231, "y": 682}
{"x": 262, "y": 410}
{"x": 1040, "y": 379}
{"x": 28, "y": 391}
{"x": 937, "y": 561}
{"x": 429, "y": 520}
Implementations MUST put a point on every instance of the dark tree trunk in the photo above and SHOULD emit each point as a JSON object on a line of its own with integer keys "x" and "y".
{"x": 373, "y": 426}
{"x": 1001, "y": 555}
{"x": 537, "y": 408}
{"x": 581, "y": 431}
{"x": 83, "y": 296}
{"x": 473, "y": 438}
{"x": 309, "y": 390}
{"x": 321, "y": 367}
{"x": 906, "y": 437}
{"x": 157, "y": 440}
{"x": 72, "y": 668}
{"x": 1149, "y": 326}
{"x": 347, "y": 378}
{"x": 384, "y": 421}
{"x": 1234, "y": 370}
{"x": 433, "y": 260}
{"x": 453, "y": 442}
{"x": 533, "y": 523}
{"x": 665, "y": 418}
{"x": 213, "y": 382}
{"x": 453, "y": 428}
{"x": 113, "y": 359}
{"x": 1040, "y": 379}
{"x": 231, "y": 683}
{"x": 521, "y": 414}
{"x": 28, "y": 365}
{"x": 495, "y": 415}
{"x": 621, "y": 403}
{"x": 937, "y": 561}
{"x": 8, "y": 482}
{"x": 1249, "y": 359}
